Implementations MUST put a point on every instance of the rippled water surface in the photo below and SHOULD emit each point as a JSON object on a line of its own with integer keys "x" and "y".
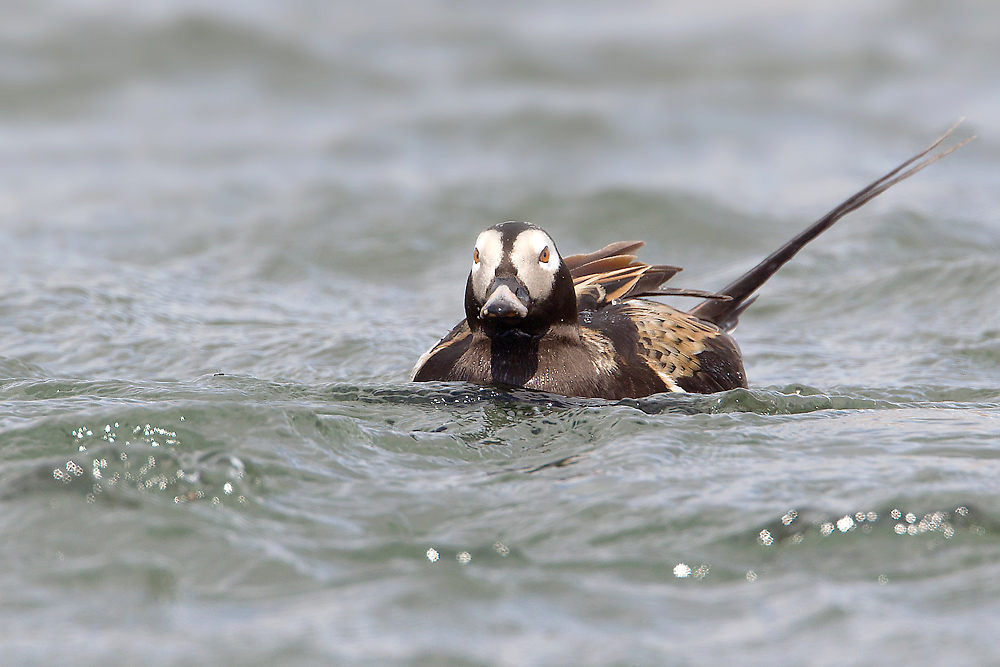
{"x": 228, "y": 230}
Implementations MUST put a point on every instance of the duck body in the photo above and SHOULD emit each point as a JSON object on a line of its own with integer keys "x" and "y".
{"x": 579, "y": 328}
{"x": 585, "y": 325}
{"x": 610, "y": 354}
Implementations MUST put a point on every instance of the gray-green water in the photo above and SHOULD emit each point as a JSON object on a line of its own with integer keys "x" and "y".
{"x": 286, "y": 193}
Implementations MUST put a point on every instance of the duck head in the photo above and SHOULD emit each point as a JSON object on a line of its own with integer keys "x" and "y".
{"x": 519, "y": 284}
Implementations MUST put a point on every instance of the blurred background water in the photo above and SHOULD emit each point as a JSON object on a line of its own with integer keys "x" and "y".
{"x": 286, "y": 194}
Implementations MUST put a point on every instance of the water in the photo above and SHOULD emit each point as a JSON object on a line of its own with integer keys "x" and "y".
{"x": 228, "y": 230}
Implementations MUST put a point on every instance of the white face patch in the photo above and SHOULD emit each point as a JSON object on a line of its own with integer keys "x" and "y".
{"x": 489, "y": 252}
{"x": 536, "y": 262}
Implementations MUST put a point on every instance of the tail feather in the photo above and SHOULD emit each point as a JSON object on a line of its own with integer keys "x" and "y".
{"x": 725, "y": 313}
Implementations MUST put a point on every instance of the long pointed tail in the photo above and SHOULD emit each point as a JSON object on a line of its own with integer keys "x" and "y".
{"x": 725, "y": 314}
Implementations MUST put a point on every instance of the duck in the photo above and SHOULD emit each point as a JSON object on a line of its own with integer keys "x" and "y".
{"x": 587, "y": 325}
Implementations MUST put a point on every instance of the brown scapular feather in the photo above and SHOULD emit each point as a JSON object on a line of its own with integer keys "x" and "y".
{"x": 618, "y": 249}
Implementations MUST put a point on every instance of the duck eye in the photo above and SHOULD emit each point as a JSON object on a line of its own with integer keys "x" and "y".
{"x": 475, "y": 256}
{"x": 543, "y": 256}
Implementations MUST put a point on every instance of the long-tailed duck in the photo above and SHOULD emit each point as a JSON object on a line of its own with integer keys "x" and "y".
{"x": 581, "y": 325}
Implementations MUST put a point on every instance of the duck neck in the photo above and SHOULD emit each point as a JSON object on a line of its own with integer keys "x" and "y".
{"x": 515, "y": 355}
